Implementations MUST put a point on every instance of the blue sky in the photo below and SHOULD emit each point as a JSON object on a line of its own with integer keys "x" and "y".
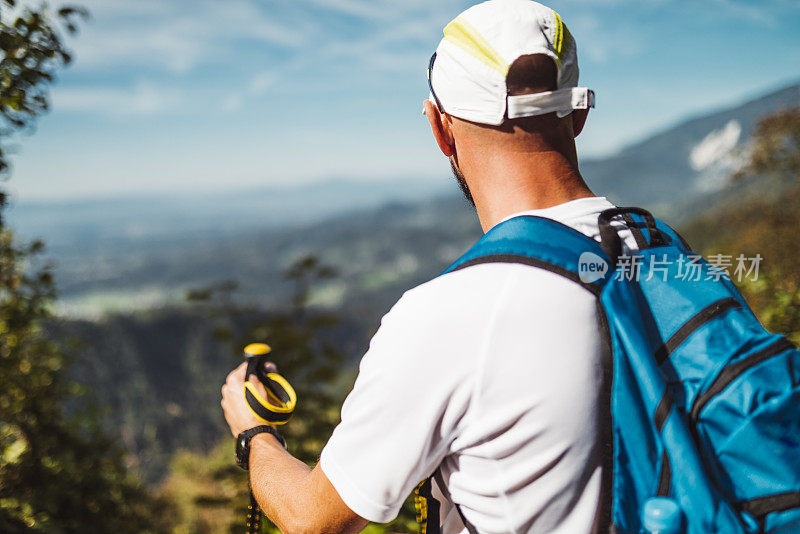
{"x": 184, "y": 95}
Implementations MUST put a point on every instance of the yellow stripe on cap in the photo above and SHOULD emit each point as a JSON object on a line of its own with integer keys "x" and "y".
{"x": 561, "y": 39}
{"x": 464, "y": 35}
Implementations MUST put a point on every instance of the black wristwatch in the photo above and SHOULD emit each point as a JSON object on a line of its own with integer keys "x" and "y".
{"x": 243, "y": 443}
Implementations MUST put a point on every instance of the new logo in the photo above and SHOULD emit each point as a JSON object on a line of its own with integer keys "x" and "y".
{"x": 591, "y": 267}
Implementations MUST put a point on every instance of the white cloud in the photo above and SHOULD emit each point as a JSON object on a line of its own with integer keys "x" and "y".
{"x": 389, "y": 10}
{"x": 142, "y": 99}
{"x": 598, "y": 44}
{"x": 716, "y": 158}
{"x": 747, "y": 11}
{"x": 356, "y": 8}
{"x": 263, "y": 81}
{"x": 260, "y": 83}
{"x": 233, "y": 101}
{"x": 716, "y": 146}
{"x": 398, "y": 37}
{"x": 178, "y": 35}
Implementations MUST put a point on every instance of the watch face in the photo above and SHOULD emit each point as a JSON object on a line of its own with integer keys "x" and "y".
{"x": 242, "y": 451}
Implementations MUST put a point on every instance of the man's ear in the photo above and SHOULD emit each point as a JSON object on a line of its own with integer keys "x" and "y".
{"x": 579, "y": 117}
{"x": 441, "y": 128}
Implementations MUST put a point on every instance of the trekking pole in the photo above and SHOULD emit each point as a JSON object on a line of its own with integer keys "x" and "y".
{"x": 275, "y": 410}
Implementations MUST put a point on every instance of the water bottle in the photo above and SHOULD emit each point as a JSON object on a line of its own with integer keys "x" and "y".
{"x": 661, "y": 515}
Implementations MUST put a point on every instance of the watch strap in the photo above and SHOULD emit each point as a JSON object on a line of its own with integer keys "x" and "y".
{"x": 251, "y": 432}
{"x": 243, "y": 443}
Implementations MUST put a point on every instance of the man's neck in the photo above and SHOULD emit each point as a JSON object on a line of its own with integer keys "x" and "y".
{"x": 503, "y": 186}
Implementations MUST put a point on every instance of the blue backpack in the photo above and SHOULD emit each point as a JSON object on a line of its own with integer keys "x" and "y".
{"x": 705, "y": 403}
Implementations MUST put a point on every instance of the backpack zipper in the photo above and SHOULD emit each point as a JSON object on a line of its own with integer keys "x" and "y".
{"x": 731, "y": 372}
{"x": 696, "y": 321}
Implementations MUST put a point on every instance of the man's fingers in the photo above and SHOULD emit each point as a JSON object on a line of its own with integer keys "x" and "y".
{"x": 237, "y": 375}
{"x": 235, "y": 381}
{"x": 240, "y": 371}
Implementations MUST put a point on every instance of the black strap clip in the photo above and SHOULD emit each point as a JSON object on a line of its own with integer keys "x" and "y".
{"x": 609, "y": 236}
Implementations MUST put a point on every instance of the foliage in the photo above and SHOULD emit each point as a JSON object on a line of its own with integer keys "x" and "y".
{"x": 764, "y": 223}
{"x": 32, "y": 50}
{"x": 58, "y": 472}
{"x": 211, "y": 492}
{"x": 776, "y": 147}
{"x": 208, "y": 490}
{"x": 769, "y": 229}
{"x": 777, "y": 304}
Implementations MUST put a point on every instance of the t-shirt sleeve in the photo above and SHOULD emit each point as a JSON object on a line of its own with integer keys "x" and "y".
{"x": 405, "y": 409}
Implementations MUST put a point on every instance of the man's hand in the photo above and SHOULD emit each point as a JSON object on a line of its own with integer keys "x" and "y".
{"x": 238, "y": 414}
{"x": 294, "y": 497}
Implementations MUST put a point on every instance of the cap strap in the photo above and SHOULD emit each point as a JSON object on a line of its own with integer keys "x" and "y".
{"x": 562, "y": 101}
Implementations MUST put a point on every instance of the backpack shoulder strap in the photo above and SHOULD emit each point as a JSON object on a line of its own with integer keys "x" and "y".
{"x": 542, "y": 243}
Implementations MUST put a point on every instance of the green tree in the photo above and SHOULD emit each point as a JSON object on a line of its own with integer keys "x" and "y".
{"x": 59, "y": 472}
{"x": 775, "y": 150}
{"x": 218, "y": 489}
{"x": 32, "y": 49}
{"x": 211, "y": 491}
{"x": 765, "y": 222}
{"x": 775, "y": 154}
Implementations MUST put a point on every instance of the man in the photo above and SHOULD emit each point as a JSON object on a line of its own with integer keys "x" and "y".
{"x": 489, "y": 379}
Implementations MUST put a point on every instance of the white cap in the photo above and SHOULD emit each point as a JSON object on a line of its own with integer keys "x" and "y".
{"x": 468, "y": 72}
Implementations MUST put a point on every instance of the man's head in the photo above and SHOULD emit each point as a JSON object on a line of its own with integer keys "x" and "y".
{"x": 503, "y": 85}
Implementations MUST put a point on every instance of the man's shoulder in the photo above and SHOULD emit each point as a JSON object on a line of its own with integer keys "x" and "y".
{"x": 476, "y": 288}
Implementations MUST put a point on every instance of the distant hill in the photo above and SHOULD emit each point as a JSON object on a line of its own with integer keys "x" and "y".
{"x": 96, "y": 223}
{"x": 159, "y": 371}
{"x": 378, "y": 253}
{"x": 675, "y": 169}
{"x": 380, "y": 247}
{"x": 158, "y": 374}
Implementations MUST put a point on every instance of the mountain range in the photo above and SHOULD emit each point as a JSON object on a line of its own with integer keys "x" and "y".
{"x": 139, "y": 253}
{"x": 158, "y": 370}
{"x": 688, "y": 163}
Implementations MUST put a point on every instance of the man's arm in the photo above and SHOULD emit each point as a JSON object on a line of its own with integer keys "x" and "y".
{"x": 296, "y": 498}
{"x": 408, "y": 404}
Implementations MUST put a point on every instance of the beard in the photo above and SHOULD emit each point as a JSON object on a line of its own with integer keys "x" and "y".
{"x": 462, "y": 183}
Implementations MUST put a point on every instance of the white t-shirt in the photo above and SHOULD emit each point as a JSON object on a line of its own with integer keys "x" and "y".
{"x": 493, "y": 374}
